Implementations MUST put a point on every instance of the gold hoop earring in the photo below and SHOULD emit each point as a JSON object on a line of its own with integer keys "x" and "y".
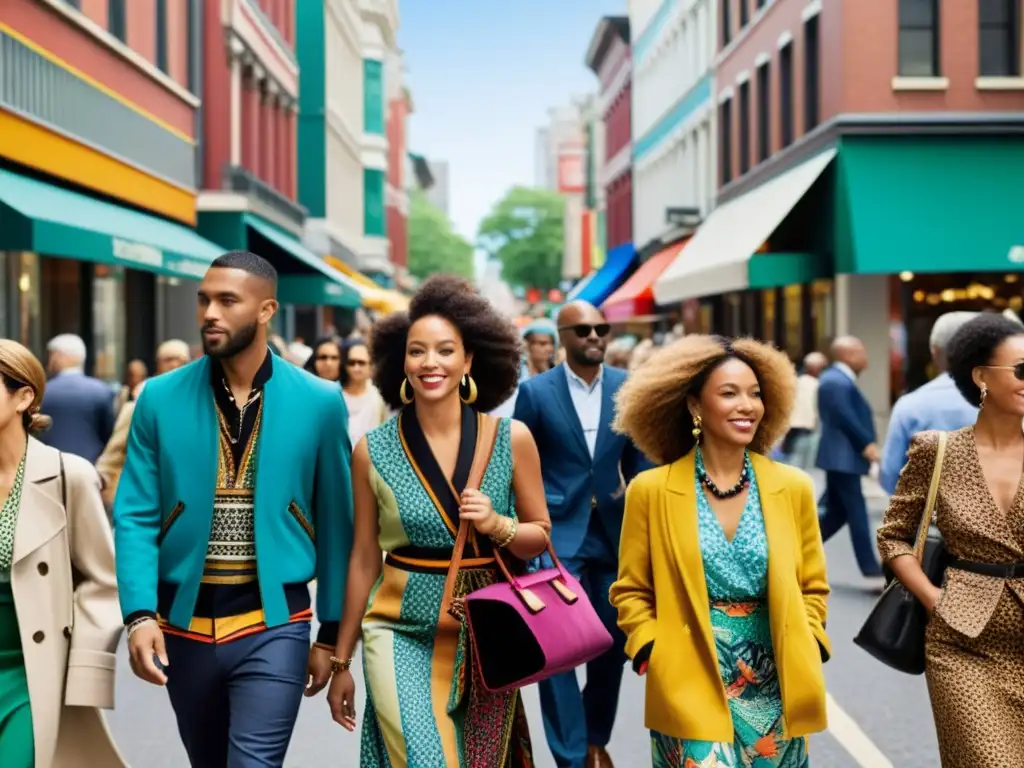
{"x": 467, "y": 381}
{"x": 984, "y": 394}
{"x": 696, "y": 427}
{"x": 403, "y": 393}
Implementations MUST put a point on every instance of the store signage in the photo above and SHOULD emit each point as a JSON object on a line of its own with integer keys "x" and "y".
{"x": 186, "y": 267}
{"x": 333, "y": 289}
{"x": 1016, "y": 254}
{"x": 571, "y": 175}
{"x": 138, "y": 253}
{"x": 688, "y": 218}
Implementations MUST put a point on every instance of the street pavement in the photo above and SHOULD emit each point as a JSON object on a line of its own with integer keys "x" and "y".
{"x": 883, "y": 718}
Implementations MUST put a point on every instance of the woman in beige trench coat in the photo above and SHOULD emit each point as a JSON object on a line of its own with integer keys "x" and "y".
{"x": 61, "y": 575}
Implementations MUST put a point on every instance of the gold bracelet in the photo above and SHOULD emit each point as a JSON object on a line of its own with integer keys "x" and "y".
{"x": 499, "y": 536}
{"x": 339, "y": 665}
{"x": 513, "y": 529}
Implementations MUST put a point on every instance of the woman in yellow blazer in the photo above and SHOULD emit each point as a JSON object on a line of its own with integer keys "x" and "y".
{"x": 721, "y": 589}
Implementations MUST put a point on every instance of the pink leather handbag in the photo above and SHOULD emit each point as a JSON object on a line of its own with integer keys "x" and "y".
{"x": 528, "y": 627}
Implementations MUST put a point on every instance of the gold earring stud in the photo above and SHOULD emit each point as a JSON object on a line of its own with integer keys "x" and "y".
{"x": 984, "y": 394}
{"x": 696, "y": 427}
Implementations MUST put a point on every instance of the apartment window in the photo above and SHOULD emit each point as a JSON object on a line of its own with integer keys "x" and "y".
{"x": 744, "y": 14}
{"x": 764, "y": 109}
{"x": 726, "y": 22}
{"x": 919, "y": 38}
{"x": 999, "y": 38}
{"x": 761, "y": 4}
{"x": 812, "y": 74}
{"x": 161, "y": 34}
{"x": 725, "y": 139}
{"x": 744, "y": 127}
{"x": 116, "y": 19}
{"x": 786, "y": 95}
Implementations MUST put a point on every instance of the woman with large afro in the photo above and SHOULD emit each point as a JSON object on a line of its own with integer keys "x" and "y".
{"x": 444, "y": 365}
{"x": 721, "y": 589}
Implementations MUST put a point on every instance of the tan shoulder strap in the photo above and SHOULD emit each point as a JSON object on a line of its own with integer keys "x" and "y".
{"x": 486, "y": 436}
{"x": 928, "y": 515}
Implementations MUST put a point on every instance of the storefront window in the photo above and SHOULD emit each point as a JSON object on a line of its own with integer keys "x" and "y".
{"x": 823, "y": 314}
{"x": 768, "y": 313}
{"x": 19, "y": 299}
{"x": 793, "y": 297}
{"x": 108, "y": 320}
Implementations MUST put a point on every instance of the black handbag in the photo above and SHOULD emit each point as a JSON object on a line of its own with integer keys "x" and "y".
{"x": 894, "y": 630}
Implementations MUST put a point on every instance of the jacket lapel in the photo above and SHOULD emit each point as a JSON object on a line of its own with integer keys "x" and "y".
{"x": 680, "y": 511}
{"x": 41, "y": 516}
{"x": 564, "y": 399}
{"x": 778, "y": 526}
{"x": 199, "y": 444}
{"x": 276, "y": 432}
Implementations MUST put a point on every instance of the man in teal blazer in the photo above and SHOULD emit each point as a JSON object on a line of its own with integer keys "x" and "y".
{"x": 236, "y": 493}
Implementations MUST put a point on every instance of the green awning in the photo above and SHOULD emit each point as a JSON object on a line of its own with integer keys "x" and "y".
{"x": 776, "y": 270}
{"x": 930, "y": 204}
{"x": 53, "y": 221}
{"x": 307, "y": 279}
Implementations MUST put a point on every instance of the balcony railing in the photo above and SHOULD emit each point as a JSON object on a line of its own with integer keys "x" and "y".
{"x": 241, "y": 180}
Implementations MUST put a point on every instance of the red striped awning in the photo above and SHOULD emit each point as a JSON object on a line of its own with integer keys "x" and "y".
{"x": 635, "y": 298}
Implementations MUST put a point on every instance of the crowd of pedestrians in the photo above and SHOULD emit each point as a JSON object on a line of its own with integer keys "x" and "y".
{"x": 662, "y": 488}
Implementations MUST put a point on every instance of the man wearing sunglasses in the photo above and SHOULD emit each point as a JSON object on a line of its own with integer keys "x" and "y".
{"x": 585, "y": 466}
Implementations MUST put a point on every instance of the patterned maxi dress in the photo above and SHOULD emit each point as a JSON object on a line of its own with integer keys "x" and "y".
{"x": 424, "y": 708}
{"x": 737, "y": 579}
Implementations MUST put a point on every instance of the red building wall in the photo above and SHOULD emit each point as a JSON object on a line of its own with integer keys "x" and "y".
{"x": 397, "y": 222}
{"x": 216, "y": 99}
{"x": 619, "y": 210}
{"x": 618, "y": 123}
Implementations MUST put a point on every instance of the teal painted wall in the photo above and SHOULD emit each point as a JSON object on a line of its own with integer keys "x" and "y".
{"x": 373, "y": 96}
{"x": 312, "y": 129}
{"x": 374, "y": 220}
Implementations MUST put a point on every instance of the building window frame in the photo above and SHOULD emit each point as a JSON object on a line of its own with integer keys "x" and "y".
{"x": 725, "y": 139}
{"x": 919, "y": 41}
{"x": 786, "y": 104}
{"x": 764, "y": 111}
{"x": 744, "y": 13}
{"x": 117, "y": 22}
{"x": 726, "y": 22}
{"x": 160, "y": 13}
{"x": 374, "y": 203}
{"x": 743, "y": 110}
{"x": 812, "y": 74}
{"x": 374, "y": 112}
{"x": 999, "y": 26}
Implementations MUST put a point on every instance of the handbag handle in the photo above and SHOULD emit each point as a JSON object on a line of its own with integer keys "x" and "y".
{"x": 928, "y": 516}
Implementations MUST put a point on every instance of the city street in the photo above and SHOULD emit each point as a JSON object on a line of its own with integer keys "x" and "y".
{"x": 881, "y": 718}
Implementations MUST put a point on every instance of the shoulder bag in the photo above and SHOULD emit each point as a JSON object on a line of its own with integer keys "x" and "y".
{"x": 524, "y": 628}
{"x": 894, "y": 630}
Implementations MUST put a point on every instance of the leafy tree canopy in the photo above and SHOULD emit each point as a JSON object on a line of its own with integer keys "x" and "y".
{"x": 433, "y": 245}
{"x": 524, "y": 231}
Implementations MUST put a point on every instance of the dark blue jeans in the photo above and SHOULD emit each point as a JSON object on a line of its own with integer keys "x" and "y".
{"x": 845, "y": 505}
{"x": 236, "y": 703}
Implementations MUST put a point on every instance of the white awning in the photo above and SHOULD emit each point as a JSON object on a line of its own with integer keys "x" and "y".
{"x": 715, "y": 260}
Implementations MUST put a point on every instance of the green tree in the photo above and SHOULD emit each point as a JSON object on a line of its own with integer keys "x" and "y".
{"x": 433, "y": 245}
{"x": 524, "y": 231}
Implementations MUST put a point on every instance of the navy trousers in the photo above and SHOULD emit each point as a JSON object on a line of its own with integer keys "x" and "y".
{"x": 575, "y": 720}
{"x": 845, "y": 505}
{"x": 236, "y": 703}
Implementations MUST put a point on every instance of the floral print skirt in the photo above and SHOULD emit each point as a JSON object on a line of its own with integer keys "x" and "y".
{"x": 746, "y": 663}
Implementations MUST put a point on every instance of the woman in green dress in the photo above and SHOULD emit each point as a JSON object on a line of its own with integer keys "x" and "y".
{"x": 445, "y": 364}
{"x": 721, "y": 589}
{"x": 59, "y": 618}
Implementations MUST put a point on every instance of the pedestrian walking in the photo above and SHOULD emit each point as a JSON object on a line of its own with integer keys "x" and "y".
{"x": 81, "y": 407}
{"x": 721, "y": 588}
{"x": 846, "y": 450}
{"x": 974, "y": 641}
{"x": 800, "y": 447}
{"x": 366, "y": 407}
{"x": 586, "y": 466}
{"x": 59, "y": 623}
{"x": 937, "y": 405}
{"x": 451, "y": 360}
{"x": 235, "y": 494}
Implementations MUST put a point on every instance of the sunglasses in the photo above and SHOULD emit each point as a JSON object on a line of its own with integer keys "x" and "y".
{"x": 582, "y": 330}
{"x": 1018, "y": 369}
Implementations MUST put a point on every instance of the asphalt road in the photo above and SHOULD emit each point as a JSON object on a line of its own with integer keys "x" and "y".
{"x": 892, "y": 721}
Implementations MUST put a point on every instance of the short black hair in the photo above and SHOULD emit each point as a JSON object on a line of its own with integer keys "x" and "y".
{"x": 247, "y": 261}
{"x": 974, "y": 345}
{"x": 488, "y": 335}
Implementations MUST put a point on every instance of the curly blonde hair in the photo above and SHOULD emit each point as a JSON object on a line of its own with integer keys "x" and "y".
{"x": 651, "y": 406}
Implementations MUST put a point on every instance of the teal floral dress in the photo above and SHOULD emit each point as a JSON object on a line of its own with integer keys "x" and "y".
{"x": 737, "y": 579}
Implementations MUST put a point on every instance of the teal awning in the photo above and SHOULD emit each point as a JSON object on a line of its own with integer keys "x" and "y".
{"x": 53, "y": 221}
{"x": 930, "y": 204}
{"x": 306, "y": 279}
{"x": 777, "y": 270}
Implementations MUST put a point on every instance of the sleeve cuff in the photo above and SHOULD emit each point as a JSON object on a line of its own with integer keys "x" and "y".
{"x": 643, "y": 658}
{"x": 328, "y": 633}
{"x": 136, "y": 615}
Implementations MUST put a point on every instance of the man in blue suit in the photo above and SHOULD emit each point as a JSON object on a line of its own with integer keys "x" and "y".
{"x": 236, "y": 493}
{"x": 847, "y": 449}
{"x": 586, "y": 467}
{"x": 82, "y": 408}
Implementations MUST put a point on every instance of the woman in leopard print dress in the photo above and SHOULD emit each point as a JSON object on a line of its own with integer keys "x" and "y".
{"x": 974, "y": 644}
